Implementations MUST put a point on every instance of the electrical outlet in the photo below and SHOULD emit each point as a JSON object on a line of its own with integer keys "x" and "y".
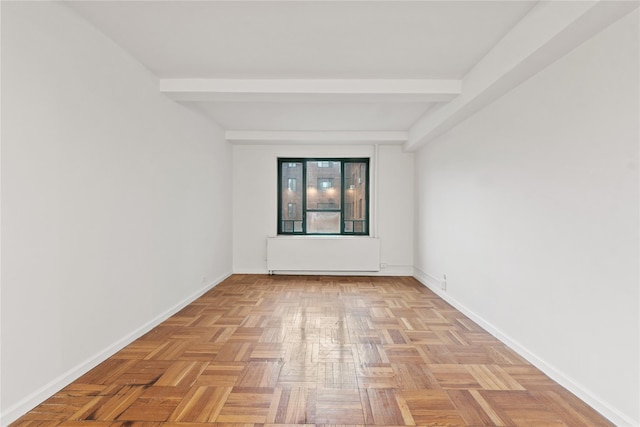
{"x": 443, "y": 283}
{"x": 384, "y": 265}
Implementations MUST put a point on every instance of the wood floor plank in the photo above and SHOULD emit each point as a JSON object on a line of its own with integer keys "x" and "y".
{"x": 415, "y": 377}
{"x": 384, "y": 407}
{"x": 181, "y": 373}
{"x": 337, "y": 375}
{"x": 260, "y": 374}
{"x": 339, "y": 406}
{"x": 156, "y": 403}
{"x": 493, "y": 378}
{"x": 201, "y": 404}
{"x": 377, "y": 375}
{"x": 470, "y": 409}
{"x": 110, "y": 407}
{"x": 432, "y": 407}
{"x": 296, "y": 406}
{"x": 314, "y": 351}
{"x": 235, "y": 352}
{"x": 451, "y": 376}
{"x": 220, "y": 374}
{"x": 246, "y": 405}
{"x": 370, "y": 353}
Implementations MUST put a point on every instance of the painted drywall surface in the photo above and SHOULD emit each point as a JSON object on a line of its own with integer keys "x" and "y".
{"x": 530, "y": 208}
{"x": 255, "y": 200}
{"x": 395, "y": 207}
{"x": 116, "y": 203}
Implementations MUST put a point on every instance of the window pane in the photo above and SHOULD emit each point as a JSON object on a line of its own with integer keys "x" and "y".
{"x": 355, "y": 197}
{"x": 288, "y": 226}
{"x": 323, "y": 185}
{"x": 291, "y": 193}
{"x": 323, "y": 222}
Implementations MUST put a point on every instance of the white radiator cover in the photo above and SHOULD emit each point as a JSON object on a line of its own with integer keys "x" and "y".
{"x": 323, "y": 253}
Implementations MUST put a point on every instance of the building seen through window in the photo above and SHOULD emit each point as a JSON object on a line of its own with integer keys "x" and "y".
{"x": 323, "y": 196}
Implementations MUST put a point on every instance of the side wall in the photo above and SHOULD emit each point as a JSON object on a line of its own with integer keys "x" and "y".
{"x": 255, "y": 199}
{"x": 530, "y": 208}
{"x": 116, "y": 204}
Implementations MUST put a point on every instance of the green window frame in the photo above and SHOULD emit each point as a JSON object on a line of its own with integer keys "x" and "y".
{"x": 330, "y": 196}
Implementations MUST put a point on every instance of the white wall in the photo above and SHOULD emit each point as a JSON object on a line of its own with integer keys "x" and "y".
{"x": 395, "y": 209}
{"x": 530, "y": 208}
{"x": 255, "y": 200}
{"x": 115, "y": 201}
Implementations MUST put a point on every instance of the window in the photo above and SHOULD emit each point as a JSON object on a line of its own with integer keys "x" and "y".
{"x": 324, "y": 184}
{"x": 292, "y": 183}
{"x": 323, "y": 196}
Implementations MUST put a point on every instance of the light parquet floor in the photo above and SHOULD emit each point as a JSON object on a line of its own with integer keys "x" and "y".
{"x": 312, "y": 350}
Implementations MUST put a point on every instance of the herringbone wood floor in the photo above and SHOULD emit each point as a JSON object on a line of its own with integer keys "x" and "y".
{"x": 329, "y": 351}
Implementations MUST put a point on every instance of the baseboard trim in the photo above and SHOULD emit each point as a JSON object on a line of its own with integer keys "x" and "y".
{"x": 554, "y": 373}
{"x": 37, "y": 397}
{"x": 395, "y": 270}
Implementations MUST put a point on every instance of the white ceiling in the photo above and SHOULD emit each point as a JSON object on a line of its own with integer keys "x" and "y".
{"x": 305, "y": 39}
{"x": 316, "y": 116}
{"x": 318, "y": 66}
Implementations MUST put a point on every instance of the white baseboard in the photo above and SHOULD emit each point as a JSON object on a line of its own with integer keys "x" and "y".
{"x": 395, "y": 270}
{"x": 554, "y": 373}
{"x": 34, "y": 399}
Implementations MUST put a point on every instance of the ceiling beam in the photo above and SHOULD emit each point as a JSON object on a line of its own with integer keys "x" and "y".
{"x": 296, "y": 90}
{"x": 315, "y": 137}
{"x": 548, "y": 32}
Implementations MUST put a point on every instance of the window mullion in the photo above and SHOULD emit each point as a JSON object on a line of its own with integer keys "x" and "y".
{"x": 342, "y": 185}
{"x": 304, "y": 197}
{"x": 280, "y": 228}
{"x": 368, "y": 199}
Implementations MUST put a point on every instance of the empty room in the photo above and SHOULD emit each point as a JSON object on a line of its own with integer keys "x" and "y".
{"x": 330, "y": 213}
